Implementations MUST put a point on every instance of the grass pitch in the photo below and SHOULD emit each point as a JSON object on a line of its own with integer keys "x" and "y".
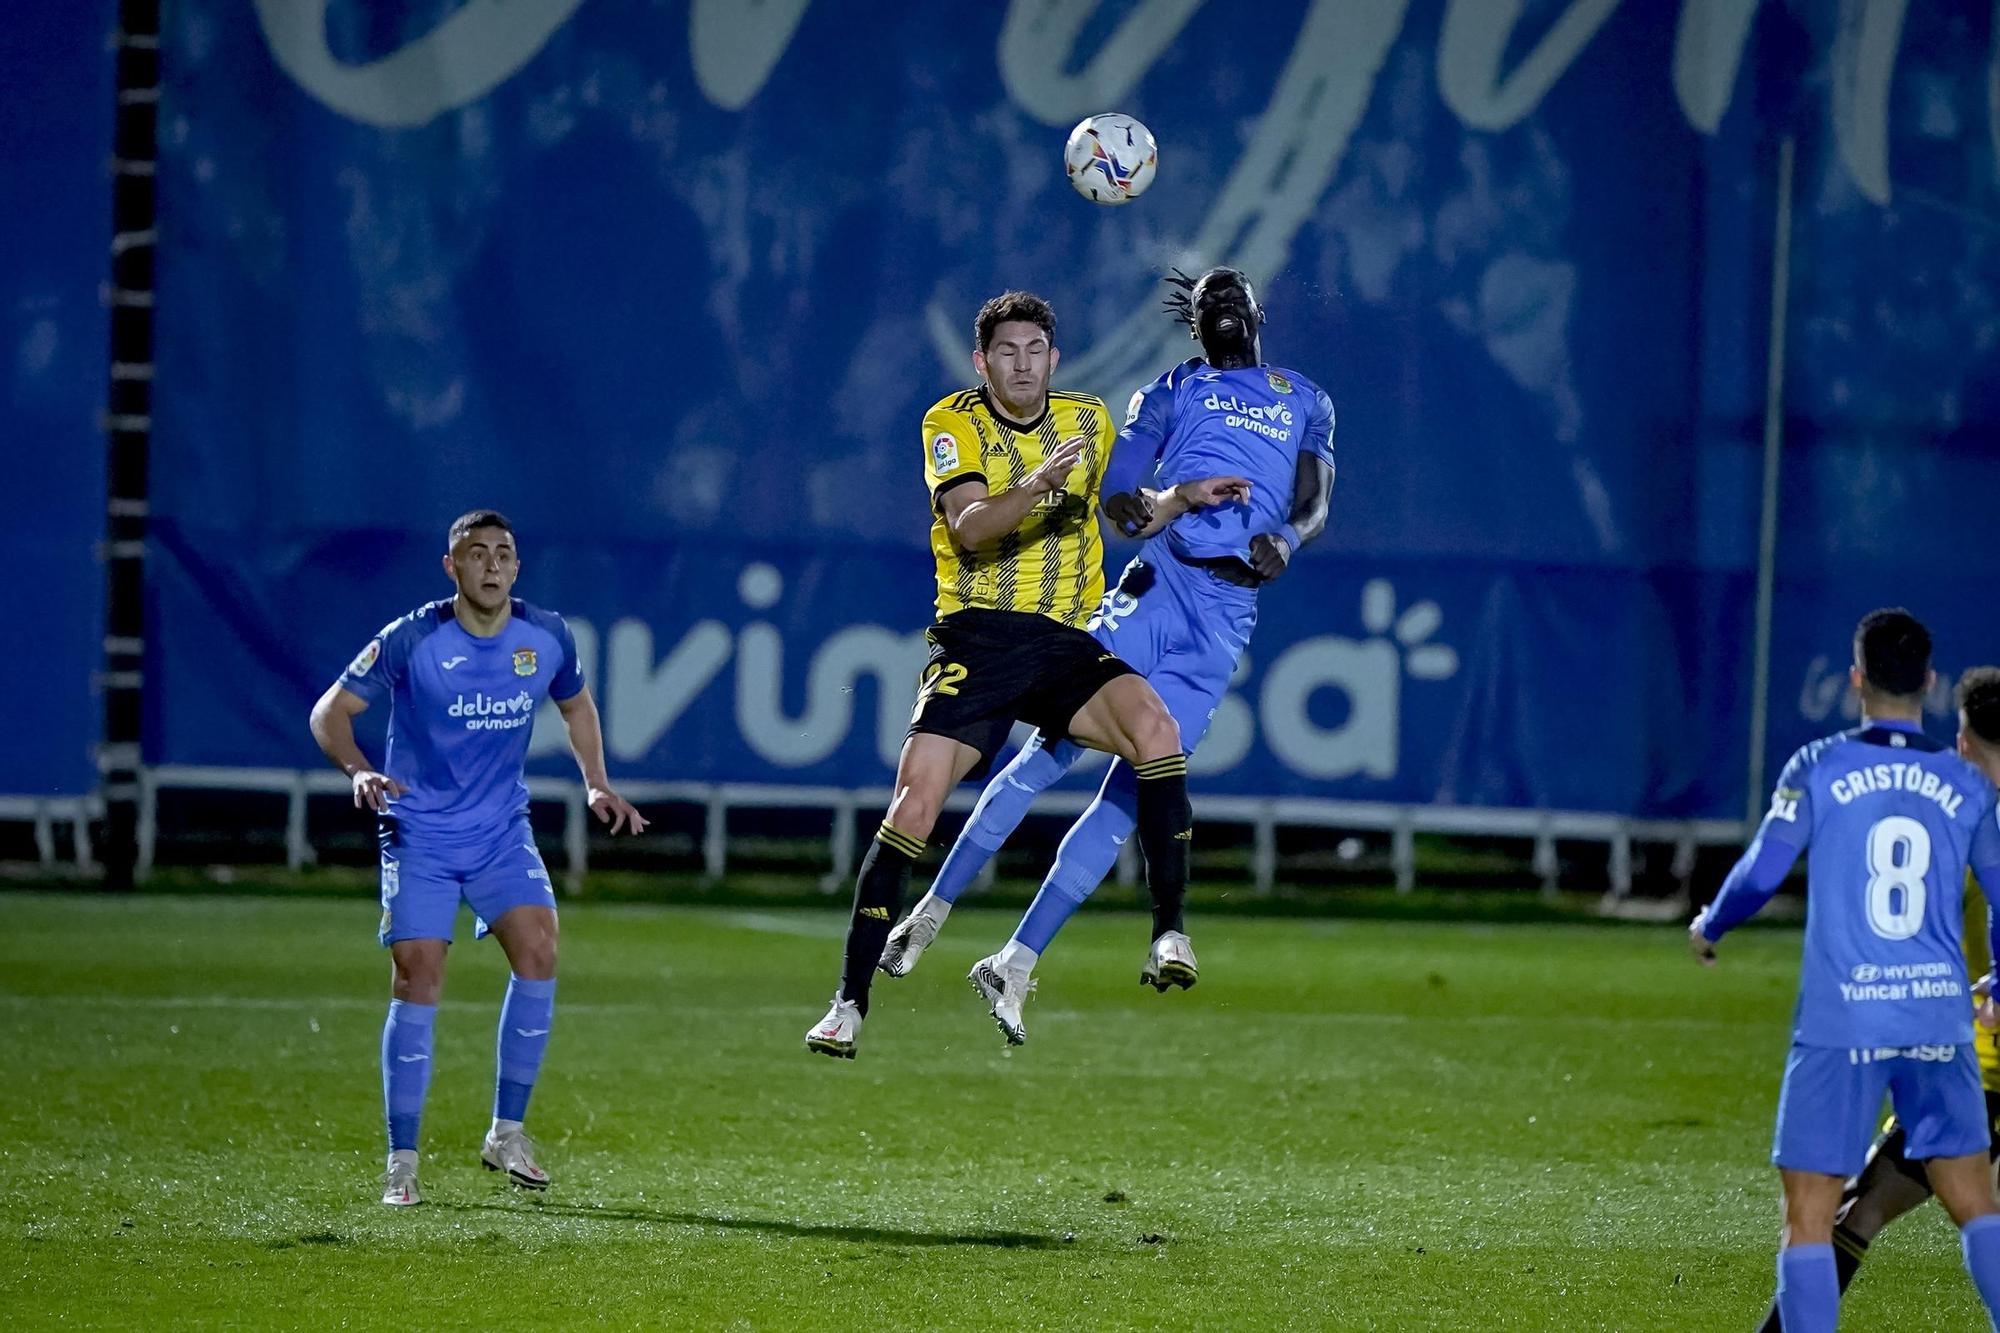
{"x": 1345, "y": 1125}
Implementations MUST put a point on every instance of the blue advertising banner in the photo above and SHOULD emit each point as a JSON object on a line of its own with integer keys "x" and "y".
{"x": 672, "y": 286}
{"x": 55, "y": 141}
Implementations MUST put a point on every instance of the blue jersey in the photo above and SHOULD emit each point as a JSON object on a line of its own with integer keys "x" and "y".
{"x": 1889, "y": 819}
{"x": 1197, "y": 421}
{"x": 460, "y": 712}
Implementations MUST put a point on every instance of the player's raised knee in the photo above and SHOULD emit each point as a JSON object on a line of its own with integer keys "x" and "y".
{"x": 1153, "y": 730}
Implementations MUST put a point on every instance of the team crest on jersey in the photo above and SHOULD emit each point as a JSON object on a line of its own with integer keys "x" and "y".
{"x": 944, "y": 454}
{"x": 365, "y": 659}
{"x": 1278, "y": 382}
{"x": 524, "y": 661}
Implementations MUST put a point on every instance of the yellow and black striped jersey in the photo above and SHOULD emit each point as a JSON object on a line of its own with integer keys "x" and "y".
{"x": 1978, "y": 962}
{"x": 1053, "y": 564}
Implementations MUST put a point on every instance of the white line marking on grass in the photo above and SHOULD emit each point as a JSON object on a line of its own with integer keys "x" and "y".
{"x": 772, "y": 923}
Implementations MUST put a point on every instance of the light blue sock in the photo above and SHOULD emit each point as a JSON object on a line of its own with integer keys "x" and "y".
{"x": 1981, "y": 1241}
{"x": 1808, "y": 1289}
{"x": 1002, "y": 807}
{"x": 1088, "y": 852}
{"x": 525, "y": 1018}
{"x": 406, "y": 1069}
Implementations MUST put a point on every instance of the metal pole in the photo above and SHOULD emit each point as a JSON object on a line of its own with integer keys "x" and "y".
{"x": 128, "y": 435}
{"x": 1774, "y": 438}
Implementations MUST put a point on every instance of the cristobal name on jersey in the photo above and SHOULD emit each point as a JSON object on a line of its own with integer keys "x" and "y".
{"x": 1246, "y": 417}
{"x": 484, "y": 714}
{"x": 1898, "y": 777}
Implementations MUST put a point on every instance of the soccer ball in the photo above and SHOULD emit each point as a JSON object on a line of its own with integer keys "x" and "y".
{"x": 1110, "y": 158}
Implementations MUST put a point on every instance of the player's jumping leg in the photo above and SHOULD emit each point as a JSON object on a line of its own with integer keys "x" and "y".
{"x": 1086, "y": 856}
{"x": 1002, "y": 807}
{"x": 931, "y": 765}
{"x": 1808, "y": 1286}
{"x": 1127, "y": 718}
{"x": 528, "y": 936}
{"x": 416, "y": 985}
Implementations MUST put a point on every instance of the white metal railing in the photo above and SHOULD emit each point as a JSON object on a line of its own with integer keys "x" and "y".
{"x": 1264, "y": 817}
{"x": 45, "y": 812}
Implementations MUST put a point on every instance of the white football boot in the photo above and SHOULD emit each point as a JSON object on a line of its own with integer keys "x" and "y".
{"x": 514, "y": 1153}
{"x": 907, "y": 942}
{"x": 835, "y": 1034}
{"x": 1004, "y": 992}
{"x": 1171, "y": 963}
{"x": 399, "y": 1182}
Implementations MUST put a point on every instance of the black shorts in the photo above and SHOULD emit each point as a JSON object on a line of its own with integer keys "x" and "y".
{"x": 991, "y": 669}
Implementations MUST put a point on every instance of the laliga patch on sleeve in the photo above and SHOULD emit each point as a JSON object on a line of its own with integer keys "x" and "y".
{"x": 944, "y": 454}
{"x": 1132, "y": 408}
{"x": 1785, "y": 804}
{"x": 359, "y": 666}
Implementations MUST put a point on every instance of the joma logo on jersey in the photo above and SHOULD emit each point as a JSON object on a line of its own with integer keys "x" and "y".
{"x": 484, "y": 714}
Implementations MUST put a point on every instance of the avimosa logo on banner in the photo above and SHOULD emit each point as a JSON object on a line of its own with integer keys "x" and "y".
{"x": 1288, "y": 701}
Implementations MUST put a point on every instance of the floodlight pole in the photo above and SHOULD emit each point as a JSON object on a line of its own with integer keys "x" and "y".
{"x": 1774, "y": 438}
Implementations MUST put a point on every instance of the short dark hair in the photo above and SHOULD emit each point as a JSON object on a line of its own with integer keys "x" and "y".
{"x": 466, "y": 524}
{"x": 1893, "y": 650}
{"x": 1979, "y": 700}
{"x": 1008, "y": 307}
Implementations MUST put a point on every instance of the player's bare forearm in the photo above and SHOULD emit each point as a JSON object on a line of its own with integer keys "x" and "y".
{"x": 333, "y": 727}
{"x": 984, "y": 521}
{"x": 586, "y": 742}
{"x": 1312, "y": 494}
{"x": 1312, "y": 497}
{"x": 977, "y": 517}
{"x": 586, "y": 736}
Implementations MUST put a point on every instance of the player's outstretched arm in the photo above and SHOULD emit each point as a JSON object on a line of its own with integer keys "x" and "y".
{"x": 1312, "y": 497}
{"x": 586, "y": 742}
{"x": 333, "y": 727}
{"x": 976, "y": 517}
{"x": 1162, "y": 507}
{"x": 1752, "y": 881}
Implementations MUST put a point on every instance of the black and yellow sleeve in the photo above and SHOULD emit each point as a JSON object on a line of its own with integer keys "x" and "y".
{"x": 951, "y": 451}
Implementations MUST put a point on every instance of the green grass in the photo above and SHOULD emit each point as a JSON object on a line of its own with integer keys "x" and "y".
{"x": 1346, "y": 1125}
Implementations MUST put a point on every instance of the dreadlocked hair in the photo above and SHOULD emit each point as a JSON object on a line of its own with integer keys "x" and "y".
{"x": 1180, "y": 301}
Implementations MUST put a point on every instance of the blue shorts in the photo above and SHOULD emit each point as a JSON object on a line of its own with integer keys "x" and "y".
{"x": 423, "y": 881}
{"x": 1180, "y": 627}
{"x": 1832, "y": 1100}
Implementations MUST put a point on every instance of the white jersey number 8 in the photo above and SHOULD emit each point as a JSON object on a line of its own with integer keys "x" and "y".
{"x": 1899, "y": 855}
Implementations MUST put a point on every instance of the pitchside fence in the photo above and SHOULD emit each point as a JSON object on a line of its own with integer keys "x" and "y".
{"x": 845, "y": 808}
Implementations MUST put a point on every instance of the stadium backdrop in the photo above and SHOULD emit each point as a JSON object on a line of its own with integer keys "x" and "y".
{"x": 671, "y": 285}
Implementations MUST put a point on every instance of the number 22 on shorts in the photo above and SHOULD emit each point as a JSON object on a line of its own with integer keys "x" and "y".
{"x": 940, "y": 678}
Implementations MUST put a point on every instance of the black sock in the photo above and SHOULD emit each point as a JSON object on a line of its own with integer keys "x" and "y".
{"x": 1848, "y": 1252}
{"x": 878, "y": 896}
{"x": 1166, "y": 836}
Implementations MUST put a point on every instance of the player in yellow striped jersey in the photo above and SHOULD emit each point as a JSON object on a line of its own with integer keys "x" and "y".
{"x": 1891, "y": 1184}
{"x": 1013, "y": 472}
{"x": 1053, "y": 563}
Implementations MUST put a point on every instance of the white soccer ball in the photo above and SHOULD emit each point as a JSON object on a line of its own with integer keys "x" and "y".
{"x": 1110, "y": 158}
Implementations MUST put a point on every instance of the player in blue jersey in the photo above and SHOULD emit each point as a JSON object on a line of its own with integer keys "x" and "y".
{"x": 462, "y": 679}
{"x": 1890, "y": 820}
{"x": 1181, "y": 614}
{"x": 1891, "y": 1184}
